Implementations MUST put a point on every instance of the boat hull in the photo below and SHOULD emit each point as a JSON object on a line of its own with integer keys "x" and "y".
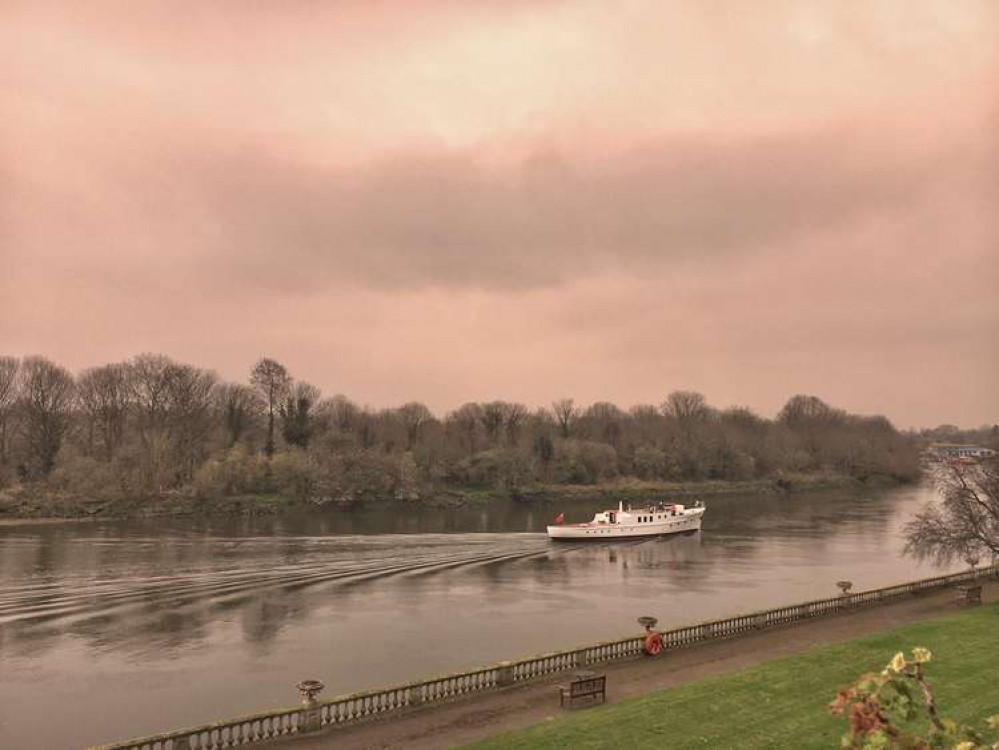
{"x": 690, "y": 521}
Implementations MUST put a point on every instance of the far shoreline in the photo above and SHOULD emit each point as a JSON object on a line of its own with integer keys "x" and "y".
{"x": 25, "y": 506}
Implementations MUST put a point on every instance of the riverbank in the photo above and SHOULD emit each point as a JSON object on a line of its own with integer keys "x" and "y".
{"x": 637, "y": 492}
{"x": 763, "y": 690}
{"x": 39, "y": 503}
{"x": 784, "y": 703}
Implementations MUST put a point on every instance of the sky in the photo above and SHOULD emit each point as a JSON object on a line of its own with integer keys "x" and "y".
{"x": 468, "y": 200}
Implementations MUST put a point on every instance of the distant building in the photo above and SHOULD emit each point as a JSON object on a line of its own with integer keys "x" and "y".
{"x": 960, "y": 451}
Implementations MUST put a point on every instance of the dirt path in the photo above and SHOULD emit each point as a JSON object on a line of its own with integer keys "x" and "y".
{"x": 455, "y": 723}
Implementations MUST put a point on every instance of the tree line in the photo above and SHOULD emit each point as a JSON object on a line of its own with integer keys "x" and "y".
{"x": 154, "y": 425}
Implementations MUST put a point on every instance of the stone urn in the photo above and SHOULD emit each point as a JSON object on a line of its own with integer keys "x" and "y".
{"x": 309, "y": 689}
{"x": 844, "y": 587}
{"x": 648, "y": 622}
{"x": 972, "y": 559}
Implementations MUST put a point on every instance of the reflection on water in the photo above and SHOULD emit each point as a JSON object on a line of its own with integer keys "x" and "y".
{"x": 136, "y": 627}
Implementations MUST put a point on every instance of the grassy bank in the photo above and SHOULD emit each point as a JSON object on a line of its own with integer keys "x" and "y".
{"x": 33, "y": 503}
{"x": 635, "y": 491}
{"x": 41, "y": 502}
{"x": 784, "y": 703}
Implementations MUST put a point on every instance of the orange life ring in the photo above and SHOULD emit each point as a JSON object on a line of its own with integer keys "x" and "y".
{"x": 653, "y": 644}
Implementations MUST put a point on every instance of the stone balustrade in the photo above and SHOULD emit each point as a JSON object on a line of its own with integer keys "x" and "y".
{"x": 318, "y": 714}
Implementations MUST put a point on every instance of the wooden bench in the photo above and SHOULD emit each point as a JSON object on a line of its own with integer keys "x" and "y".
{"x": 583, "y": 685}
{"x": 969, "y": 595}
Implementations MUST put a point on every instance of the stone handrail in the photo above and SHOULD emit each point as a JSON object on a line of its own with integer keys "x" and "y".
{"x": 344, "y": 709}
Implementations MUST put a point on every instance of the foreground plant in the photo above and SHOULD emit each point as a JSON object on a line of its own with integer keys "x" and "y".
{"x": 878, "y": 705}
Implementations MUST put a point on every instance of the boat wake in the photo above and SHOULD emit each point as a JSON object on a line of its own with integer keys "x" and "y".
{"x": 345, "y": 561}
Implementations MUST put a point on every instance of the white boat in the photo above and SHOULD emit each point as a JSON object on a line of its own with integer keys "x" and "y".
{"x": 653, "y": 520}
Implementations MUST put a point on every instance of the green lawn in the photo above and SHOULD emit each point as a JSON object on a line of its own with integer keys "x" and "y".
{"x": 783, "y": 703}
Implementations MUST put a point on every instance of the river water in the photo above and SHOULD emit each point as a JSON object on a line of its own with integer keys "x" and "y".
{"x": 109, "y": 631}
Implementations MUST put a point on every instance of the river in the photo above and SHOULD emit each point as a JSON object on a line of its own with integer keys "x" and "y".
{"x": 113, "y": 630}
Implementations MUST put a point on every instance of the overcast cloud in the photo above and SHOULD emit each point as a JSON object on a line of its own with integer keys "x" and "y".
{"x": 450, "y": 201}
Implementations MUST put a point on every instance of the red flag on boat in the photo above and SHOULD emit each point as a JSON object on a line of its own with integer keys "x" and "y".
{"x": 560, "y": 518}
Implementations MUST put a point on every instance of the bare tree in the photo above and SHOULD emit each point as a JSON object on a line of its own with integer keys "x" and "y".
{"x": 516, "y": 415}
{"x": 686, "y": 407}
{"x": 966, "y": 520}
{"x": 493, "y": 415}
{"x": 238, "y": 406}
{"x": 168, "y": 415}
{"x": 189, "y": 413}
{"x": 344, "y": 412}
{"x": 544, "y": 450}
{"x": 46, "y": 402}
{"x": 813, "y": 421}
{"x": 9, "y": 367}
{"x": 565, "y": 412}
{"x": 149, "y": 386}
{"x": 743, "y": 418}
{"x": 414, "y": 416}
{"x": 805, "y": 411}
{"x": 467, "y": 417}
{"x": 173, "y": 405}
{"x": 271, "y": 380}
{"x": 605, "y": 421}
{"x": 366, "y": 428}
{"x": 104, "y": 398}
{"x": 297, "y": 412}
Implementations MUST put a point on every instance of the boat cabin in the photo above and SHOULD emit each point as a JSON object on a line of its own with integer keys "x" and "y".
{"x": 652, "y": 513}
